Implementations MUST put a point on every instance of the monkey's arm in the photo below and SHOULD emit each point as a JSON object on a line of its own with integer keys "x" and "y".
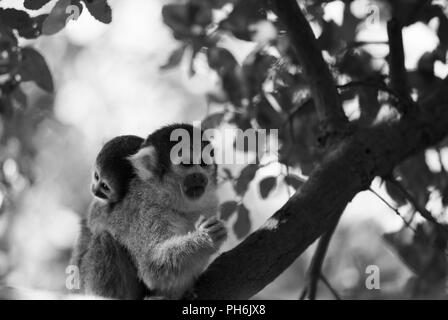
{"x": 190, "y": 251}
{"x": 108, "y": 271}
{"x": 172, "y": 265}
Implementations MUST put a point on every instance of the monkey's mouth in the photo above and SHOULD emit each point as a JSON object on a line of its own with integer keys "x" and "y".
{"x": 194, "y": 185}
{"x": 194, "y": 192}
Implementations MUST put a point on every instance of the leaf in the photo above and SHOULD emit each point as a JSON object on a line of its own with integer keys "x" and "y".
{"x": 266, "y": 186}
{"x": 175, "y": 58}
{"x": 33, "y": 67}
{"x": 19, "y": 98}
{"x": 15, "y": 19}
{"x": 9, "y": 58}
{"x": 242, "y": 224}
{"x": 396, "y": 194}
{"x": 6, "y": 108}
{"x": 35, "y": 4}
{"x": 416, "y": 177}
{"x": 35, "y": 30}
{"x": 335, "y": 37}
{"x": 242, "y": 121}
{"x": 59, "y": 16}
{"x": 100, "y": 10}
{"x": 256, "y": 68}
{"x": 267, "y": 117}
{"x": 8, "y": 37}
{"x": 294, "y": 181}
{"x": 246, "y": 176}
{"x": 187, "y": 20}
{"x": 421, "y": 251}
{"x": 212, "y": 121}
{"x": 245, "y": 14}
{"x": 227, "y": 209}
{"x": 228, "y": 173}
{"x": 231, "y": 73}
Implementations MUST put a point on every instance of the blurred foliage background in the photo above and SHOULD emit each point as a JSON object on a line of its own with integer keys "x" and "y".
{"x": 71, "y": 80}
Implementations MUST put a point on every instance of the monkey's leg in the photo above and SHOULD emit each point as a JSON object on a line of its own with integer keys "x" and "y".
{"x": 82, "y": 244}
{"x": 108, "y": 271}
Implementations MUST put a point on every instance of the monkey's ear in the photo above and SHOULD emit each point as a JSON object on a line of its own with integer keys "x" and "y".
{"x": 144, "y": 162}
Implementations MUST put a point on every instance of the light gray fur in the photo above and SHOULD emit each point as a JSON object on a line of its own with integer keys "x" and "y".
{"x": 106, "y": 268}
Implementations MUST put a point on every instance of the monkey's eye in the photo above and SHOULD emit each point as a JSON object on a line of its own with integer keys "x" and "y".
{"x": 105, "y": 187}
{"x": 95, "y": 176}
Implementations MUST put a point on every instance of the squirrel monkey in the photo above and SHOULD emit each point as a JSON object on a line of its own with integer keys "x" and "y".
{"x": 106, "y": 268}
{"x": 167, "y": 219}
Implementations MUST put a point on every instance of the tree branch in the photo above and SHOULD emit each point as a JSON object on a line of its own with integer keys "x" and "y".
{"x": 377, "y": 85}
{"x": 348, "y": 168}
{"x": 398, "y": 76}
{"x": 323, "y": 89}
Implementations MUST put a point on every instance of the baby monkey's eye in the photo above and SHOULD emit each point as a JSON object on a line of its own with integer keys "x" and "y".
{"x": 105, "y": 187}
{"x": 95, "y": 176}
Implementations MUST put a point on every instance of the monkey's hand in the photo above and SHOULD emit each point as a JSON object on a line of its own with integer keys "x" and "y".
{"x": 214, "y": 228}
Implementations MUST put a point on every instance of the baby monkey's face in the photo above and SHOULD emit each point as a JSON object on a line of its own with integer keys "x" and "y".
{"x": 103, "y": 186}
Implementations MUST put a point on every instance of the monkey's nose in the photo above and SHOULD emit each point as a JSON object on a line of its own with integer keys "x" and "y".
{"x": 96, "y": 190}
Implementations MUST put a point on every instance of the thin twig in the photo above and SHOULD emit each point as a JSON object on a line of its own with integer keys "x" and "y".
{"x": 380, "y": 86}
{"x": 330, "y": 287}
{"x": 315, "y": 270}
{"x": 422, "y": 210}
{"x": 377, "y": 85}
{"x": 356, "y": 44}
{"x": 393, "y": 209}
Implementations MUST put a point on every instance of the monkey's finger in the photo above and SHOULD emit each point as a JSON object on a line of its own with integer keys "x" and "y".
{"x": 200, "y": 221}
{"x": 210, "y": 222}
{"x": 218, "y": 231}
{"x": 215, "y": 228}
{"x": 220, "y": 236}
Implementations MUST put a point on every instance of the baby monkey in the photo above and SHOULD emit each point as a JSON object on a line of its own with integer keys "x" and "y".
{"x": 113, "y": 171}
{"x": 106, "y": 268}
